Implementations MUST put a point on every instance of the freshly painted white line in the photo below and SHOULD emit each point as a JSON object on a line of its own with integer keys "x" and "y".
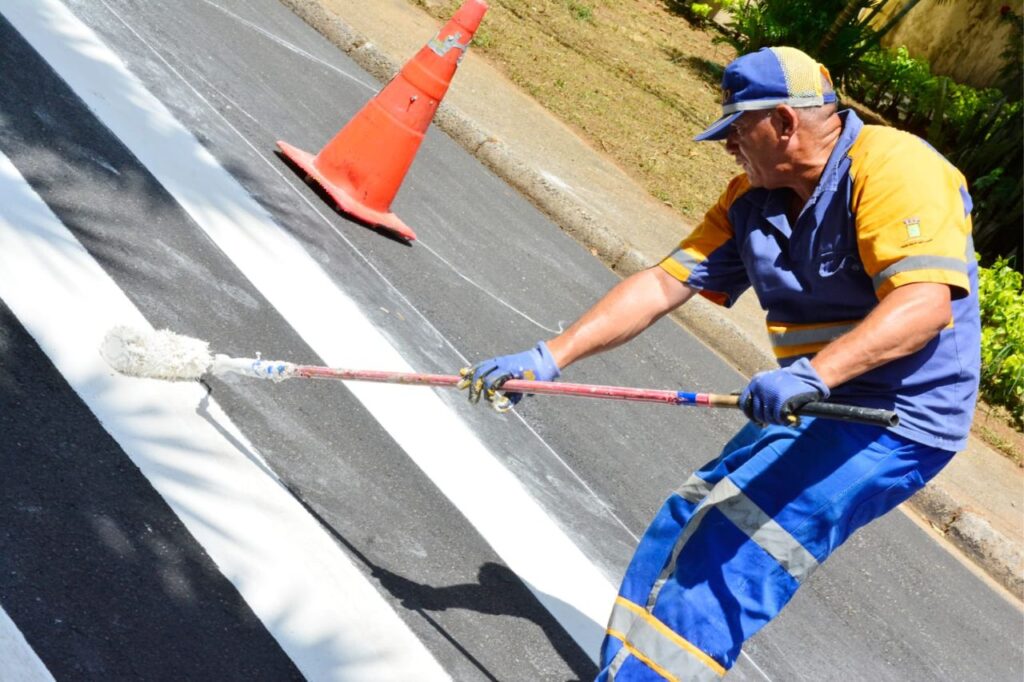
{"x": 18, "y": 662}
{"x": 327, "y": 617}
{"x": 440, "y": 443}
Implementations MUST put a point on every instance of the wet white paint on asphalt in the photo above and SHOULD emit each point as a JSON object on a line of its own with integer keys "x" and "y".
{"x": 20, "y": 662}
{"x": 433, "y": 436}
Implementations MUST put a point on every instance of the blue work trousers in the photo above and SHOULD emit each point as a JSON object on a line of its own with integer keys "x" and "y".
{"x": 730, "y": 548}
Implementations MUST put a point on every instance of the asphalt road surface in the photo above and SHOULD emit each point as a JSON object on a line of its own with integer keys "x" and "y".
{"x": 238, "y": 529}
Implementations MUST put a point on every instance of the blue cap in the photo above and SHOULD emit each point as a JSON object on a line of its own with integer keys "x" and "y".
{"x": 765, "y": 79}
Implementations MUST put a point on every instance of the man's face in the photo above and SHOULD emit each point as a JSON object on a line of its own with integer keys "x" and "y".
{"x": 754, "y": 143}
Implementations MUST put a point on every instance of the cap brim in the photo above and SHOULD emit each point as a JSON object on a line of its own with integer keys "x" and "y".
{"x": 719, "y": 130}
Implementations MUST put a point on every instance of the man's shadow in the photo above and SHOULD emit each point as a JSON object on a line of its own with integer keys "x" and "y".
{"x": 498, "y": 592}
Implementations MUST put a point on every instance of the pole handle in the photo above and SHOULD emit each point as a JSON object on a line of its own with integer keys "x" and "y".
{"x": 872, "y": 416}
{"x": 850, "y": 413}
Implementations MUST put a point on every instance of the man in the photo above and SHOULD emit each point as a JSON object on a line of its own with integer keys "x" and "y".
{"x": 857, "y": 242}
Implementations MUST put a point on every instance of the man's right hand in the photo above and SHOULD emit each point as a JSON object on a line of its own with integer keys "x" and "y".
{"x": 486, "y": 378}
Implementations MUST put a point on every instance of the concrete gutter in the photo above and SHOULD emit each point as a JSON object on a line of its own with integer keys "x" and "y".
{"x": 607, "y": 212}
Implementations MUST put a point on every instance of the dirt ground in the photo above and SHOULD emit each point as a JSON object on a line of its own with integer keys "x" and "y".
{"x": 637, "y": 81}
{"x": 993, "y": 425}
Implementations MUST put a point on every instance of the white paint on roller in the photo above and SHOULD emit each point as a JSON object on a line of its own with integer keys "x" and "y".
{"x": 327, "y": 617}
{"x": 440, "y": 443}
{"x": 19, "y": 662}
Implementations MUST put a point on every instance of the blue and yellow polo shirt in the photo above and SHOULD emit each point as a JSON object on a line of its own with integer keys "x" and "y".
{"x": 888, "y": 210}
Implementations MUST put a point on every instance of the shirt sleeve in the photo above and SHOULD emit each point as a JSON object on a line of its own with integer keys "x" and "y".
{"x": 912, "y": 213}
{"x": 708, "y": 259}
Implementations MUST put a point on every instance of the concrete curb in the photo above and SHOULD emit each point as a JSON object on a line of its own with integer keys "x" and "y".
{"x": 999, "y": 557}
{"x": 996, "y": 554}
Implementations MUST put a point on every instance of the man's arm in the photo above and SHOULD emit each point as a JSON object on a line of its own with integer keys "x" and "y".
{"x": 901, "y": 324}
{"x": 632, "y": 306}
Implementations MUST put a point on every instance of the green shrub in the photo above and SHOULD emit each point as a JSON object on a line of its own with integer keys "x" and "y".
{"x": 765, "y": 23}
{"x": 990, "y": 153}
{"x": 1002, "y": 338}
{"x": 904, "y": 89}
{"x": 702, "y": 10}
{"x": 888, "y": 80}
{"x": 835, "y": 32}
{"x": 698, "y": 13}
{"x": 581, "y": 11}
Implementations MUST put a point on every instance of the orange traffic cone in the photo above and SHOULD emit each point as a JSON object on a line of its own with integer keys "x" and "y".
{"x": 365, "y": 163}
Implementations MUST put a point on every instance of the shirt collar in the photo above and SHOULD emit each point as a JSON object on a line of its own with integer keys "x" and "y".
{"x": 830, "y": 176}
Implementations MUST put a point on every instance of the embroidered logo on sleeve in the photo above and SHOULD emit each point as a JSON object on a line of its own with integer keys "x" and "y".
{"x": 914, "y": 232}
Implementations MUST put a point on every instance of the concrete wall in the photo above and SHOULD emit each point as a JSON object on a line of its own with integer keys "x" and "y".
{"x": 961, "y": 39}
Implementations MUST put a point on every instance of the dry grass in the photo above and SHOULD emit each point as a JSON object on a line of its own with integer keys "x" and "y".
{"x": 636, "y": 80}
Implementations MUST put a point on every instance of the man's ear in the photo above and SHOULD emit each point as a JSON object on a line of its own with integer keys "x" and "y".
{"x": 786, "y": 121}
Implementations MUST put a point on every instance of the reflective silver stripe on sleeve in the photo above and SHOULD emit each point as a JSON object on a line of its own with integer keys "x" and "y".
{"x": 919, "y": 263}
{"x": 672, "y": 656}
{"x": 799, "y": 337}
{"x": 694, "y": 490}
{"x": 749, "y": 518}
{"x": 684, "y": 259}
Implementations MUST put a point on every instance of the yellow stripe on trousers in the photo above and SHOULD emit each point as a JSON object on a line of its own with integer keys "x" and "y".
{"x": 656, "y": 644}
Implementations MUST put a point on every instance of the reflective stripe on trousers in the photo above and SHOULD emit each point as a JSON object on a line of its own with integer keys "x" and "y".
{"x": 654, "y": 643}
{"x": 755, "y": 524}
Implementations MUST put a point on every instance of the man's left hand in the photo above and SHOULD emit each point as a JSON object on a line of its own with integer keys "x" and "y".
{"x": 776, "y": 396}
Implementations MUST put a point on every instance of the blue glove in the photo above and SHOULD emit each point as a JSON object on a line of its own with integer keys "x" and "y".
{"x": 487, "y": 377}
{"x": 773, "y": 397}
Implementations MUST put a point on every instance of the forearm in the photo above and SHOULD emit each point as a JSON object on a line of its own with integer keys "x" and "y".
{"x": 630, "y": 307}
{"x": 901, "y": 324}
